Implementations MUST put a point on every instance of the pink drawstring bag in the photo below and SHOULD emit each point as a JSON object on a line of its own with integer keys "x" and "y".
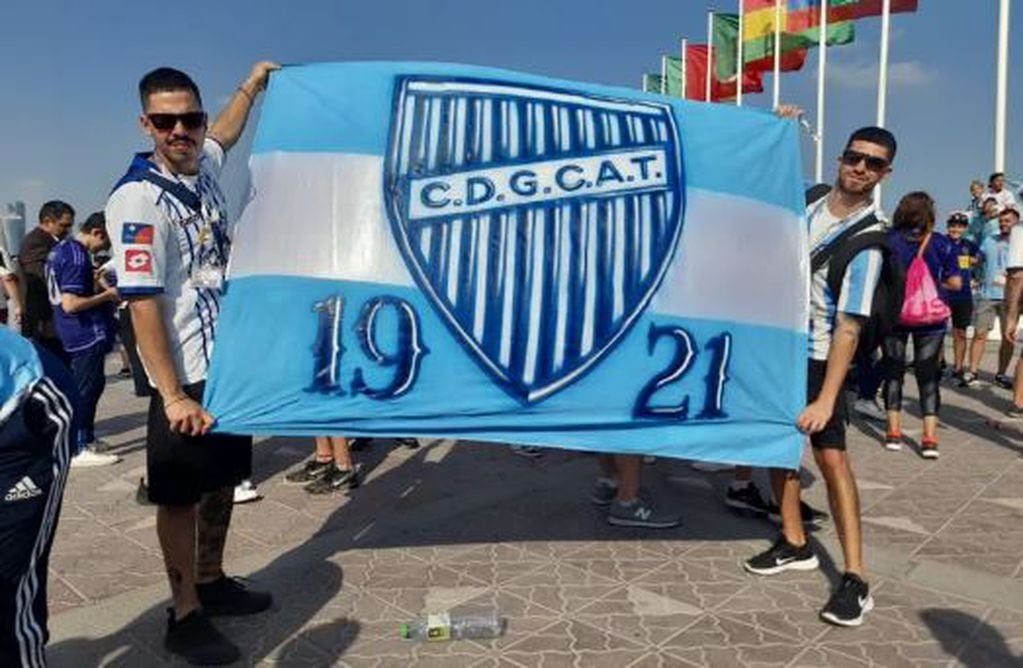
{"x": 922, "y": 304}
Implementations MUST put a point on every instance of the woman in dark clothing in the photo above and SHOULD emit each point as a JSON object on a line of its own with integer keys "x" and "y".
{"x": 913, "y": 229}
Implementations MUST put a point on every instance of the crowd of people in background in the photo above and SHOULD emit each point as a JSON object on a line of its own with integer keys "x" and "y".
{"x": 160, "y": 296}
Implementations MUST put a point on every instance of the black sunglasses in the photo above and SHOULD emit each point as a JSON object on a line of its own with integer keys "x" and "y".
{"x": 852, "y": 158}
{"x": 191, "y": 120}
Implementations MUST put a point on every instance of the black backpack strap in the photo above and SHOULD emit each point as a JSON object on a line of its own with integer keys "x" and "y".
{"x": 180, "y": 191}
{"x": 817, "y": 192}
{"x": 824, "y": 255}
{"x": 843, "y": 255}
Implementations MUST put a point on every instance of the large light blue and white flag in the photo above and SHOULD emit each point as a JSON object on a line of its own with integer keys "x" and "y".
{"x": 442, "y": 250}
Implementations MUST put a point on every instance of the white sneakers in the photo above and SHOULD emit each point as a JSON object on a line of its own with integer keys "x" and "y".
{"x": 246, "y": 492}
{"x": 90, "y": 456}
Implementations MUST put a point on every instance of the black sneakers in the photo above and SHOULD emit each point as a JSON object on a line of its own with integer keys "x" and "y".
{"x": 746, "y": 499}
{"x": 228, "y": 597}
{"x": 311, "y": 470}
{"x": 197, "y": 641}
{"x": 811, "y": 516}
{"x": 142, "y": 493}
{"x": 332, "y": 480}
{"x": 782, "y": 556}
{"x": 850, "y": 602}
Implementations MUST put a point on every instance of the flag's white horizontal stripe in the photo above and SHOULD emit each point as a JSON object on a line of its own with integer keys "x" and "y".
{"x": 319, "y": 215}
{"x": 739, "y": 256}
{"x": 533, "y": 94}
{"x": 322, "y": 215}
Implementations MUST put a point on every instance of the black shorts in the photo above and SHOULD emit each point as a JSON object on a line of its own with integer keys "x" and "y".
{"x": 180, "y": 469}
{"x": 962, "y": 313}
{"x": 833, "y": 435}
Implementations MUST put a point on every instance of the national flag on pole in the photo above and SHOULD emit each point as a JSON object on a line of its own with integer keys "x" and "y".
{"x": 759, "y": 20}
{"x": 865, "y": 8}
{"x": 673, "y": 76}
{"x": 806, "y": 14}
{"x": 758, "y": 54}
{"x": 696, "y": 74}
{"x": 652, "y": 83}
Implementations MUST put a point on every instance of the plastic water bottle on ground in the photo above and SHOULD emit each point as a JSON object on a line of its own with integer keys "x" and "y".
{"x": 454, "y": 626}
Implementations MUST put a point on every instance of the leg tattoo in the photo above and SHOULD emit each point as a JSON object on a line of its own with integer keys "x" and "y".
{"x": 214, "y": 520}
{"x": 176, "y": 582}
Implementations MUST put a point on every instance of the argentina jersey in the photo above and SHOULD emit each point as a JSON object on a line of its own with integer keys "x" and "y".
{"x": 174, "y": 242}
{"x": 861, "y": 277}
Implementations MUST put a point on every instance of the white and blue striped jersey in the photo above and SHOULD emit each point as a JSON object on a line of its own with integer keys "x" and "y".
{"x": 160, "y": 244}
{"x": 861, "y": 276}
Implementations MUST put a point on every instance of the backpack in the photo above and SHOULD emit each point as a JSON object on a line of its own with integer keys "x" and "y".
{"x": 923, "y": 304}
{"x": 889, "y": 294}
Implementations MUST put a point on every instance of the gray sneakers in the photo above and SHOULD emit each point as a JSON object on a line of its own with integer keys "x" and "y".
{"x": 640, "y": 513}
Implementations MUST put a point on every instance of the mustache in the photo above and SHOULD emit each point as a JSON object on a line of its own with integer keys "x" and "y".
{"x": 180, "y": 138}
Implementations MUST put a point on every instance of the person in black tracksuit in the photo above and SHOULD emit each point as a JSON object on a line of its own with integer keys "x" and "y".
{"x": 37, "y": 399}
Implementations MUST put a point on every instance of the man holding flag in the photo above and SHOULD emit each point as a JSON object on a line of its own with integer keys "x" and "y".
{"x": 835, "y": 324}
{"x": 168, "y": 223}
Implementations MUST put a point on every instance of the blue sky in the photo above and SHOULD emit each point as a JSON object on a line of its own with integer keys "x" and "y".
{"x": 68, "y": 72}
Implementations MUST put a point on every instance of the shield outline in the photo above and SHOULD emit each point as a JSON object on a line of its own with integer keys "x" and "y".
{"x": 396, "y": 191}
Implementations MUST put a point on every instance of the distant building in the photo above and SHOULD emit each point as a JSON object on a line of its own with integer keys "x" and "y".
{"x": 12, "y": 227}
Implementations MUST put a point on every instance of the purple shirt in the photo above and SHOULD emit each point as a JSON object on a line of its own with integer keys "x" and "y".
{"x": 69, "y": 269}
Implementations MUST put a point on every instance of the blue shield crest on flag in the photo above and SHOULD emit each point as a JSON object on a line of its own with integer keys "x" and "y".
{"x": 538, "y": 222}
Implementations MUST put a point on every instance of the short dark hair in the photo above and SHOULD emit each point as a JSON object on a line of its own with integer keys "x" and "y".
{"x": 1009, "y": 209}
{"x": 914, "y": 212}
{"x": 95, "y": 221}
{"x": 991, "y": 179}
{"x": 876, "y": 135}
{"x": 164, "y": 79}
{"x": 958, "y": 218}
{"x": 989, "y": 200}
{"x": 55, "y": 210}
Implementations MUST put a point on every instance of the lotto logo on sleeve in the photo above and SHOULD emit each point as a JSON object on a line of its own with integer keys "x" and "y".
{"x": 138, "y": 262}
{"x": 137, "y": 233}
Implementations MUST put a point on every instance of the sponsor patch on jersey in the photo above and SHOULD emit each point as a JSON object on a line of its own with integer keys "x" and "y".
{"x": 137, "y": 233}
{"x": 138, "y": 261}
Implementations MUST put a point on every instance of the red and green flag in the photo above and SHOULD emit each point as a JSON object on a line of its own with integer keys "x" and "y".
{"x": 806, "y": 14}
{"x": 696, "y": 78}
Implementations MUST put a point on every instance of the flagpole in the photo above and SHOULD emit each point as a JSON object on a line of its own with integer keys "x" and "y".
{"x": 882, "y": 80}
{"x": 822, "y": 62}
{"x": 644, "y": 84}
{"x": 710, "y": 51}
{"x": 882, "y": 77}
{"x": 777, "y": 53}
{"x": 739, "y": 56}
{"x": 1002, "y": 95}
{"x": 664, "y": 75}
{"x": 685, "y": 68}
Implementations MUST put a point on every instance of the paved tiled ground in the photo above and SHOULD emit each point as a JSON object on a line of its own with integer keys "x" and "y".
{"x": 459, "y": 526}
